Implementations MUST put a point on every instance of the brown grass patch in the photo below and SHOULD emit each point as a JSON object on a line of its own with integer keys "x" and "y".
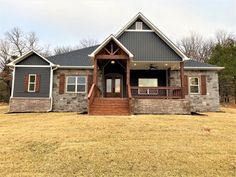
{"x": 67, "y": 144}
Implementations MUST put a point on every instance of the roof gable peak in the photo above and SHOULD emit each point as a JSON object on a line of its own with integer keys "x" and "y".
{"x": 105, "y": 42}
{"x": 155, "y": 30}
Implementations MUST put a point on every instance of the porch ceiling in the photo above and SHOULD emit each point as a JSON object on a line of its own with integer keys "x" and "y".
{"x": 154, "y": 65}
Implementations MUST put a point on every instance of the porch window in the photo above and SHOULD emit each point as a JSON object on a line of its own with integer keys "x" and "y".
{"x": 32, "y": 83}
{"x": 147, "y": 85}
{"x": 76, "y": 84}
{"x": 194, "y": 85}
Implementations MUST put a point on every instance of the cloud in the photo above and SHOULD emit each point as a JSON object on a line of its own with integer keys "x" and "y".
{"x": 66, "y": 22}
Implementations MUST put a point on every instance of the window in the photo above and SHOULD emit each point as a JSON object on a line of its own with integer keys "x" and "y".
{"x": 138, "y": 25}
{"x": 32, "y": 83}
{"x": 76, "y": 84}
{"x": 146, "y": 83}
{"x": 194, "y": 85}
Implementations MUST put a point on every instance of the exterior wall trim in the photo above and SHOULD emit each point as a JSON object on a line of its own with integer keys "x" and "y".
{"x": 204, "y": 68}
{"x": 13, "y": 82}
{"x": 13, "y": 63}
{"x": 30, "y": 66}
{"x": 75, "y": 67}
{"x": 133, "y": 30}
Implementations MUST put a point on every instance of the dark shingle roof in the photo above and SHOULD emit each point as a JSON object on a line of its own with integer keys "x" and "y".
{"x": 74, "y": 58}
{"x": 80, "y": 58}
{"x": 193, "y": 63}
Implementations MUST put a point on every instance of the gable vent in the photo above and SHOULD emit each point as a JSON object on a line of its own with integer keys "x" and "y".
{"x": 138, "y": 25}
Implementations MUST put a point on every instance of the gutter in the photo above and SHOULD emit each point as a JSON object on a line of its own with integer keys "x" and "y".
{"x": 204, "y": 68}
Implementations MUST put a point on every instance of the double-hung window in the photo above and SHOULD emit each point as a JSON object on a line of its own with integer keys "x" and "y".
{"x": 194, "y": 86}
{"x": 76, "y": 84}
{"x": 32, "y": 83}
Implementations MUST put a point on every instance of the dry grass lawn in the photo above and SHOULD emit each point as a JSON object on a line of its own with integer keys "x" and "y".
{"x": 67, "y": 144}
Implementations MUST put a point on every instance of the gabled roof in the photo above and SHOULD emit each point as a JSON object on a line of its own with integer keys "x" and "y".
{"x": 156, "y": 30}
{"x": 21, "y": 58}
{"x": 106, "y": 41}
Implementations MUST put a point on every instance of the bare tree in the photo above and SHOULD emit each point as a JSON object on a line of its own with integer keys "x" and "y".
{"x": 16, "y": 38}
{"x": 223, "y": 37}
{"x": 83, "y": 44}
{"x": 88, "y": 42}
{"x": 32, "y": 42}
{"x": 195, "y": 47}
{"x": 63, "y": 49}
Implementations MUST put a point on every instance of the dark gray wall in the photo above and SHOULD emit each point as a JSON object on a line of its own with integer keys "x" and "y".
{"x": 145, "y": 27}
{"x": 33, "y": 60}
{"x": 148, "y": 46}
{"x": 20, "y": 73}
{"x": 136, "y": 74}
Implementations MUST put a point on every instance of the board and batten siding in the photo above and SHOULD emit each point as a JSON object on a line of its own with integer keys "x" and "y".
{"x": 148, "y": 46}
{"x": 33, "y": 60}
{"x": 19, "y": 87}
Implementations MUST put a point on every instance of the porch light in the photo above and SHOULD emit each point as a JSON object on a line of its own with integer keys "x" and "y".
{"x": 113, "y": 62}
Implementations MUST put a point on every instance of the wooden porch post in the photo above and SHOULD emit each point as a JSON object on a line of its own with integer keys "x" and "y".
{"x": 182, "y": 78}
{"x": 95, "y": 71}
{"x": 128, "y": 73}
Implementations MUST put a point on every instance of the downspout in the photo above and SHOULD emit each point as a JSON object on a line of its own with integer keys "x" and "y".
{"x": 51, "y": 87}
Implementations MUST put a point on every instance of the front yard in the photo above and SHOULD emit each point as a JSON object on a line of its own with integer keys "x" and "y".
{"x": 68, "y": 144}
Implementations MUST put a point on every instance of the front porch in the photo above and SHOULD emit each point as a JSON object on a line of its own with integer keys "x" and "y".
{"x": 119, "y": 79}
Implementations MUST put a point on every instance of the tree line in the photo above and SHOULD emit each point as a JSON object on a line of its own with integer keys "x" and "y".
{"x": 219, "y": 50}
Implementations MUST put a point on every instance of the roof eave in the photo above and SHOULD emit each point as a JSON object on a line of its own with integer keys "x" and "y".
{"x": 204, "y": 68}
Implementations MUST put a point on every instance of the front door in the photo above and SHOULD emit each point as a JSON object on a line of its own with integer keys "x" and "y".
{"x": 113, "y": 85}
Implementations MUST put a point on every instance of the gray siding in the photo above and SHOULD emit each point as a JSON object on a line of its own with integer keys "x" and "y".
{"x": 33, "y": 60}
{"x": 44, "y": 81}
{"x": 147, "y": 46}
{"x": 145, "y": 27}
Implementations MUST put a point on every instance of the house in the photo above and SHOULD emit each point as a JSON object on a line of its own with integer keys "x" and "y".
{"x": 137, "y": 71}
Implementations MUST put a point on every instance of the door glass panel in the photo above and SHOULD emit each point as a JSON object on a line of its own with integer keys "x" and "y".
{"x": 117, "y": 85}
{"x": 108, "y": 85}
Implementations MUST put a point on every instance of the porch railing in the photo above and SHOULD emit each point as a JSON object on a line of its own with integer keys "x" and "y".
{"x": 91, "y": 95}
{"x": 157, "y": 92}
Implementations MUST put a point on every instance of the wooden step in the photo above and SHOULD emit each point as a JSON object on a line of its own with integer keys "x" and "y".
{"x": 110, "y": 106}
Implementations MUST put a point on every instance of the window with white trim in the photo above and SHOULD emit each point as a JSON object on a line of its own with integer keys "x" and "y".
{"x": 138, "y": 25}
{"x": 32, "y": 83}
{"x": 194, "y": 86}
{"x": 76, "y": 84}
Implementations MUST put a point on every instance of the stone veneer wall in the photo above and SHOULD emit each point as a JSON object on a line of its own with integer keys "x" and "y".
{"x": 26, "y": 104}
{"x": 75, "y": 102}
{"x": 161, "y": 106}
{"x": 198, "y": 102}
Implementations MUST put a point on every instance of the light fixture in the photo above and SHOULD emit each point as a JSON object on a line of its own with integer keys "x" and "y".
{"x": 113, "y": 62}
{"x": 135, "y": 64}
{"x": 166, "y": 64}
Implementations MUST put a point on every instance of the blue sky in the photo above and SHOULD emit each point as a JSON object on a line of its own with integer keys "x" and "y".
{"x": 66, "y": 22}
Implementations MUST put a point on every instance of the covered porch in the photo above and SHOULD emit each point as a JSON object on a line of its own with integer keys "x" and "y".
{"x": 118, "y": 79}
